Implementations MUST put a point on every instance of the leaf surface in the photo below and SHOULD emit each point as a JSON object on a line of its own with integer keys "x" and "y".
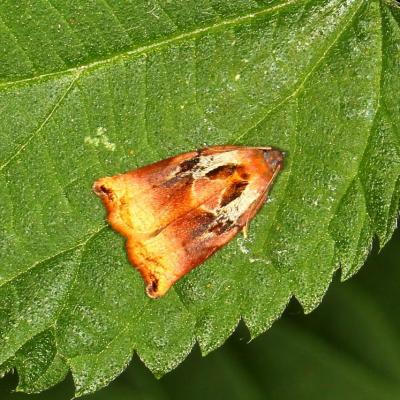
{"x": 95, "y": 89}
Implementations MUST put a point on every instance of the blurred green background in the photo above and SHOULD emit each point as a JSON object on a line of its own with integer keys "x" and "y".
{"x": 349, "y": 348}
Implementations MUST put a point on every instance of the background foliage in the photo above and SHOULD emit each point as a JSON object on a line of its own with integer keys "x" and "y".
{"x": 348, "y": 348}
{"x": 89, "y": 89}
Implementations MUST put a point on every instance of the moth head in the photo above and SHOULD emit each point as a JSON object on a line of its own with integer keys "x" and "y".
{"x": 274, "y": 158}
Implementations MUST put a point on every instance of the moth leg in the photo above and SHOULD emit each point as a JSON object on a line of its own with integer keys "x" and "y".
{"x": 245, "y": 229}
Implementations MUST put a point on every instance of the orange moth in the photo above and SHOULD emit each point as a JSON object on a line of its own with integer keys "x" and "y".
{"x": 177, "y": 212}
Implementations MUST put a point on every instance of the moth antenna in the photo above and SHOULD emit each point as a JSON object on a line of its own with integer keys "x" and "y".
{"x": 278, "y": 168}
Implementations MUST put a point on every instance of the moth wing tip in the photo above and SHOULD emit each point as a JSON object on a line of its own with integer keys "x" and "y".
{"x": 155, "y": 287}
{"x": 151, "y": 292}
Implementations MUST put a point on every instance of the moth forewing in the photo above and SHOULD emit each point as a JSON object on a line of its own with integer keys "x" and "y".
{"x": 177, "y": 212}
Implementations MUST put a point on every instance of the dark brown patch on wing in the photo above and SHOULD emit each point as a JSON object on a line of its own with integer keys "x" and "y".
{"x": 221, "y": 172}
{"x": 189, "y": 164}
{"x": 152, "y": 287}
{"x": 233, "y": 192}
{"x": 241, "y": 171}
{"x": 183, "y": 176}
{"x": 104, "y": 191}
{"x": 182, "y": 180}
{"x": 221, "y": 226}
{"x": 201, "y": 222}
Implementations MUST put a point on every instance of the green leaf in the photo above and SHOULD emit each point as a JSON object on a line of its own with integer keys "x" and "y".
{"x": 347, "y": 349}
{"x": 89, "y": 89}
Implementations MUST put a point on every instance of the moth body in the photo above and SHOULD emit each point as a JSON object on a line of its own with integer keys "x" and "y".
{"x": 177, "y": 212}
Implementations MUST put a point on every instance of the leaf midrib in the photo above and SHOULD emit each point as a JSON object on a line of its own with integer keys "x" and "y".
{"x": 156, "y": 45}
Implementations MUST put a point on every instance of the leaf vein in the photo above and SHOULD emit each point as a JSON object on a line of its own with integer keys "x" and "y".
{"x": 157, "y": 45}
{"x": 43, "y": 124}
{"x": 307, "y": 76}
{"x": 53, "y": 256}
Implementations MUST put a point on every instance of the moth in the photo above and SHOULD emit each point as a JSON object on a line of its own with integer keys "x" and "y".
{"x": 177, "y": 212}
